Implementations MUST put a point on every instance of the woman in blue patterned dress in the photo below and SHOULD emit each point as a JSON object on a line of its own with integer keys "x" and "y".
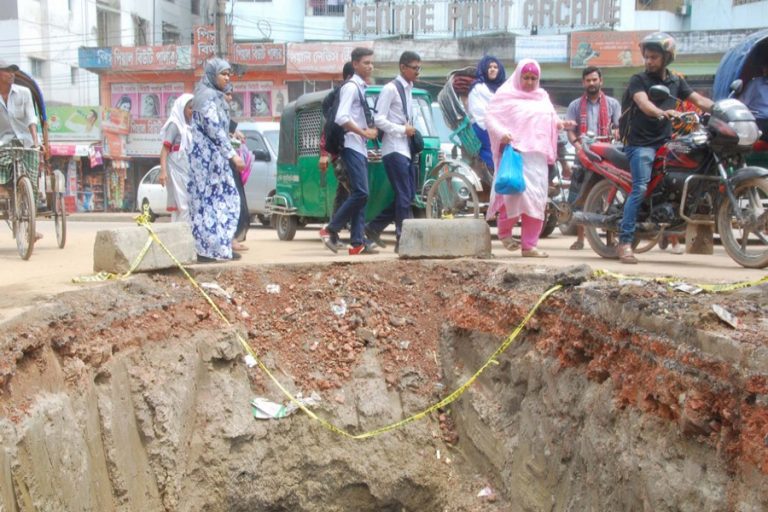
{"x": 214, "y": 205}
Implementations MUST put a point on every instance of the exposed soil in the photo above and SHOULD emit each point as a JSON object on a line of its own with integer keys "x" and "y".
{"x": 666, "y": 355}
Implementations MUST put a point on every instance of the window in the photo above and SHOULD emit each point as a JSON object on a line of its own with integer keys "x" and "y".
{"x": 296, "y": 89}
{"x": 171, "y": 34}
{"x": 73, "y": 75}
{"x": 108, "y": 26}
{"x": 194, "y": 6}
{"x": 140, "y": 29}
{"x": 326, "y": 7}
{"x": 37, "y": 67}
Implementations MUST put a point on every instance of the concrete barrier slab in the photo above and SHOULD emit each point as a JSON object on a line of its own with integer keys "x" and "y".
{"x": 115, "y": 249}
{"x": 445, "y": 238}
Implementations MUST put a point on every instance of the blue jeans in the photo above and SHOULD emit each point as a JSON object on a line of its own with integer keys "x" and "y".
{"x": 641, "y": 165}
{"x": 353, "y": 209}
{"x": 401, "y": 177}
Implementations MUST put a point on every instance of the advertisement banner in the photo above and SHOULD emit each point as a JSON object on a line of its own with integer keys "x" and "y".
{"x": 203, "y": 44}
{"x": 74, "y": 123}
{"x": 258, "y": 54}
{"x": 542, "y": 48}
{"x": 320, "y": 57}
{"x": 94, "y": 58}
{"x": 115, "y": 120}
{"x": 146, "y": 101}
{"x": 150, "y": 58}
{"x": 252, "y": 99}
{"x": 606, "y": 49}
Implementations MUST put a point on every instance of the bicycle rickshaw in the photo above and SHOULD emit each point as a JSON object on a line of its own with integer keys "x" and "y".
{"x": 452, "y": 100}
{"x": 305, "y": 195}
{"x": 743, "y": 62}
{"x": 19, "y": 179}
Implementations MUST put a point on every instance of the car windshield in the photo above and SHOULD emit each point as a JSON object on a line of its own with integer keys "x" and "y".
{"x": 442, "y": 129}
{"x": 273, "y": 137}
{"x": 422, "y": 114}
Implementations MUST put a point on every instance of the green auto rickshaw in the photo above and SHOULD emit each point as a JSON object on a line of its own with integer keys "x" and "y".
{"x": 304, "y": 194}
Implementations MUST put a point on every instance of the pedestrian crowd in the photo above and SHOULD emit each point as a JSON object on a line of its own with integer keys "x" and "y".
{"x": 205, "y": 162}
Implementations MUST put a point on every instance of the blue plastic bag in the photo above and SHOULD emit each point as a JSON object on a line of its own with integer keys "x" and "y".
{"x": 509, "y": 176}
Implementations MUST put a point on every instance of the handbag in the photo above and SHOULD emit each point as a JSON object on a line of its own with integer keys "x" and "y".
{"x": 509, "y": 176}
{"x": 415, "y": 141}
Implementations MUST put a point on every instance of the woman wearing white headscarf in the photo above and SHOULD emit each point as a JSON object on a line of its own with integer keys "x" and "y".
{"x": 214, "y": 204}
{"x": 174, "y": 161}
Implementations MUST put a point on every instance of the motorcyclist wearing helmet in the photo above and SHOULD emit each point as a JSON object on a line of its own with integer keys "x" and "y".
{"x": 648, "y": 125}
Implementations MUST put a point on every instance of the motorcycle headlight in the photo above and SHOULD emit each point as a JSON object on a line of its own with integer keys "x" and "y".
{"x": 747, "y": 131}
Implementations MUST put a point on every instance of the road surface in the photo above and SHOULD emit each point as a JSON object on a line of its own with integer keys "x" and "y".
{"x": 23, "y": 284}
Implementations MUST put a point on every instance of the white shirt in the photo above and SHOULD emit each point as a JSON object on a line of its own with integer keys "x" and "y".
{"x": 477, "y": 104}
{"x": 350, "y": 109}
{"x": 391, "y": 119}
{"x": 17, "y": 115}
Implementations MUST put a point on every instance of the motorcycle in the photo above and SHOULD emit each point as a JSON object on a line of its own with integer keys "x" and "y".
{"x": 699, "y": 177}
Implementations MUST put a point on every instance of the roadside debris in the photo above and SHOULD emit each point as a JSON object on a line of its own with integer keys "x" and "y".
{"x": 726, "y": 316}
{"x": 265, "y": 409}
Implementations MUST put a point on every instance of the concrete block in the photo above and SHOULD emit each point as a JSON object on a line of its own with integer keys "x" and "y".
{"x": 446, "y": 238}
{"x": 115, "y": 249}
{"x": 699, "y": 239}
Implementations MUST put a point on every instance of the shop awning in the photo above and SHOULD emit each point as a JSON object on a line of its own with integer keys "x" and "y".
{"x": 63, "y": 148}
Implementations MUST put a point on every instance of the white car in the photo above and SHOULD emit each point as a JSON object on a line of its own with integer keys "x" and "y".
{"x": 151, "y": 193}
{"x": 262, "y": 139}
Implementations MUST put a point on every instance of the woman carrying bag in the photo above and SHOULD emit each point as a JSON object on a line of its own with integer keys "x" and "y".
{"x": 520, "y": 114}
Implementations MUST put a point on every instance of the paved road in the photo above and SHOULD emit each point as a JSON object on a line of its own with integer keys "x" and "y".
{"x": 50, "y": 270}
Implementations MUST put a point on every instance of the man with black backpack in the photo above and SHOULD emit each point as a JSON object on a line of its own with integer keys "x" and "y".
{"x": 394, "y": 117}
{"x": 326, "y": 156}
{"x": 353, "y": 115}
{"x": 645, "y": 126}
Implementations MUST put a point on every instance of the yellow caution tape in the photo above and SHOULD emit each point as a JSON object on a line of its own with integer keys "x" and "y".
{"x": 711, "y": 288}
{"x": 143, "y": 220}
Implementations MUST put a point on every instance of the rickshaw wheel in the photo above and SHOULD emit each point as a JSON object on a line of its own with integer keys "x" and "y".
{"x": 60, "y": 219}
{"x": 452, "y": 195}
{"x": 24, "y": 218}
{"x": 286, "y": 226}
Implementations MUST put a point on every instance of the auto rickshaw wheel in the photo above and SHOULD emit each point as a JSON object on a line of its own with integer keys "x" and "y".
{"x": 24, "y": 217}
{"x": 60, "y": 219}
{"x": 286, "y": 226}
{"x": 452, "y": 195}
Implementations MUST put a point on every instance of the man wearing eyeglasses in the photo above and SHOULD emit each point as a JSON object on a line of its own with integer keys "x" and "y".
{"x": 394, "y": 117}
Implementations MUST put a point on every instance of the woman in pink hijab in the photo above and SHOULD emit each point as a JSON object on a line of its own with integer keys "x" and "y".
{"x": 521, "y": 114}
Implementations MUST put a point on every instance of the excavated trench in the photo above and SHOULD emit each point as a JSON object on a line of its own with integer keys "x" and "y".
{"x": 616, "y": 396}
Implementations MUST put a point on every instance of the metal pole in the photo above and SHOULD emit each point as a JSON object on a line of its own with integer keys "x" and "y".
{"x": 221, "y": 28}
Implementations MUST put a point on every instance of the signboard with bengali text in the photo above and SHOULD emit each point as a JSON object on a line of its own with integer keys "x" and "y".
{"x": 320, "y": 57}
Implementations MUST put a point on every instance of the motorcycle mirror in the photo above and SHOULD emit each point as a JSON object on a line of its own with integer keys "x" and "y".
{"x": 659, "y": 93}
{"x": 736, "y": 87}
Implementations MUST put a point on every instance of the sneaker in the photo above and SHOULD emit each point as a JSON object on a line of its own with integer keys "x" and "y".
{"x": 362, "y": 249}
{"x": 375, "y": 237}
{"x": 330, "y": 239}
{"x": 677, "y": 249}
{"x": 626, "y": 255}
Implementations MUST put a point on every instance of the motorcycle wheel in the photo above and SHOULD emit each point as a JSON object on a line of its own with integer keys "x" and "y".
{"x": 604, "y": 199}
{"x": 549, "y": 225}
{"x": 747, "y": 242}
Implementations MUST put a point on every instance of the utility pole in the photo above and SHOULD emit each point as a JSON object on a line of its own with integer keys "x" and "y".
{"x": 221, "y": 28}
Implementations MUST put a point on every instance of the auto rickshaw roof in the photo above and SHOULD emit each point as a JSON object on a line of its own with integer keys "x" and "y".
{"x": 742, "y": 61}
{"x": 288, "y": 150}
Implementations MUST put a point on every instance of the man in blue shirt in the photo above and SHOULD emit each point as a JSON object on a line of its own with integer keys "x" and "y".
{"x": 755, "y": 97}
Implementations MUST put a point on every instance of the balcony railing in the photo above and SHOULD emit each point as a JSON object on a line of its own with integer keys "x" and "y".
{"x": 326, "y": 7}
